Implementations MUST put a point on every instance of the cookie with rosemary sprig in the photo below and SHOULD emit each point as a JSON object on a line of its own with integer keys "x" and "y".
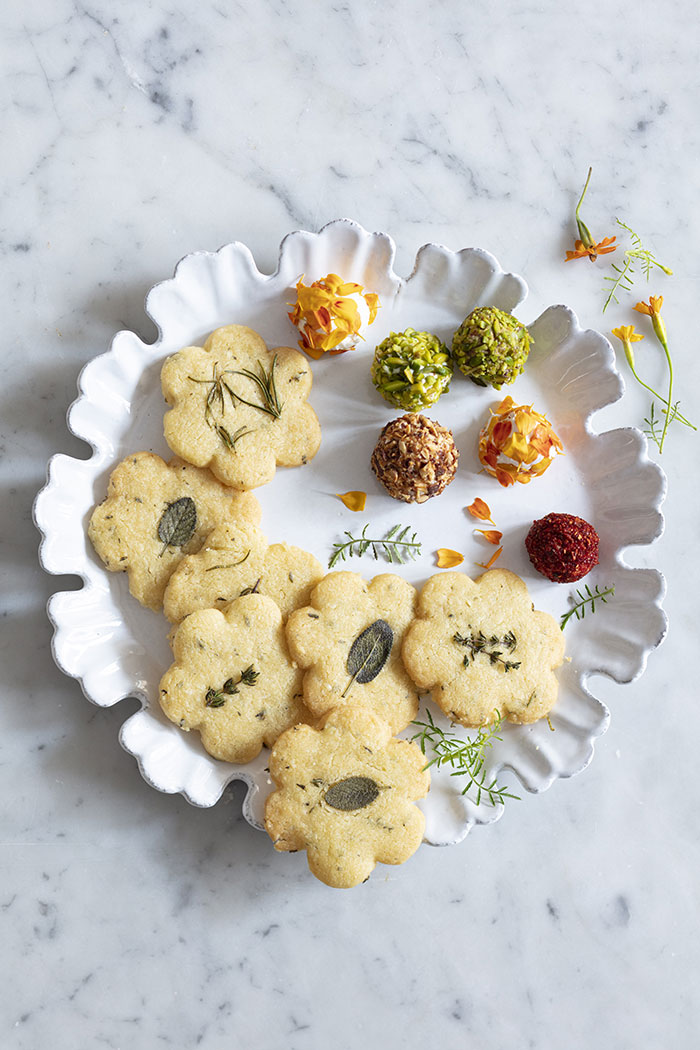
{"x": 348, "y": 640}
{"x": 155, "y": 514}
{"x": 239, "y": 408}
{"x": 232, "y": 679}
{"x": 482, "y": 649}
{"x": 235, "y": 561}
{"x": 345, "y": 793}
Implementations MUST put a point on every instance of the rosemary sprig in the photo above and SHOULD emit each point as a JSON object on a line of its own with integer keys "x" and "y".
{"x": 230, "y": 440}
{"x": 578, "y": 609}
{"x": 218, "y": 697}
{"x": 466, "y": 758}
{"x": 624, "y": 279}
{"x": 231, "y": 565}
{"x": 219, "y": 386}
{"x": 493, "y": 647}
{"x": 394, "y": 546}
{"x": 265, "y": 382}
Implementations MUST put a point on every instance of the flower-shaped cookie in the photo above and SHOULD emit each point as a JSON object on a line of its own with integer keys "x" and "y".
{"x": 232, "y": 679}
{"x": 156, "y": 513}
{"x": 349, "y": 639}
{"x": 345, "y": 794}
{"x": 230, "y": 562}
{"x": 238, "y": 408}
{"x": 237, "y": 561}
{"x": 482, "y": 649}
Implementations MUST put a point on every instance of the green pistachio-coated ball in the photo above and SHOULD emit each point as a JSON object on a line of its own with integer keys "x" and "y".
{"x": 491, "y": 347}
{"x": 411, "y": 369}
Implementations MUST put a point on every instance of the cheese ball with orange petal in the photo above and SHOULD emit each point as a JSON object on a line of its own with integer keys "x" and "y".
{"x": 483, "y": 650}
{"x": 346, "y": 622}
{"x": 517, "y": 443}
{"x": 345, "y": 793}
{"x": 331, "y": 315}
{"x": 155, "y": 514}
{"x": 239, "y": 408}
{"x": 233, "y": 680}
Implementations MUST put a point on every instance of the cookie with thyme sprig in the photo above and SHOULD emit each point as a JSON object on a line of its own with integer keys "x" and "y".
{"x": 483, "y": 650}
{"x": 232, "y": 679}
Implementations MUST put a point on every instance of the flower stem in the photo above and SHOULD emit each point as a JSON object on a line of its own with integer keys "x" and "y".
{"x": 584, "y": 232}
{"x": 677, "y": 415}
{"x": 664, "y": 344}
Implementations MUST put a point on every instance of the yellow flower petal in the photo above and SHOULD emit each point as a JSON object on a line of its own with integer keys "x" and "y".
{"x": 447, "y": 559}
{"x": 353, "y": 500}
{"x": 479, "y": 509}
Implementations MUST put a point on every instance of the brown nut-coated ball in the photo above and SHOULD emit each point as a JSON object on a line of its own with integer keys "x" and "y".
{"x": 415, "y": 458}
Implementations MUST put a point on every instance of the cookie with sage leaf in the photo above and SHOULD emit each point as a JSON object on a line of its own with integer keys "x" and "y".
{"x": 232, "y": 679}
{"x": 345, "y": 793}
{"x": 239, "y": 408}
{"x": 483, "y": 650}
{"x": 155, "y": 514}
{"x": 348, "y": 639}
{"x": 237, "y": 560}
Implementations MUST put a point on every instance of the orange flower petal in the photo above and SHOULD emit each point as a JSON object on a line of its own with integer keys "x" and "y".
{"x": 494, "y": 557}
{"x": 491, "y": 535}
{"x": 353, "y": 500}
{"x": 479, "y": 509}
{"x": 447, "y": 559}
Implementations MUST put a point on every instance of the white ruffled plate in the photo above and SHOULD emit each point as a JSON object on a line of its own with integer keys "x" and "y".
{"x": 115, "y": 648}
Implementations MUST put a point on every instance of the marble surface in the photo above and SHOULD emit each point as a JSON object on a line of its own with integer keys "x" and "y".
{"x": 135, "y": 134}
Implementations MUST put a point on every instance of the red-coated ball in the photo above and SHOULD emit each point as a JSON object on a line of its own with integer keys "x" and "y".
{"x": 562, "y": 547}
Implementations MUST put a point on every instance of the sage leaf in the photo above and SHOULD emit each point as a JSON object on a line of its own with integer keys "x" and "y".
{"x": 369, "y": 652}
{"x": 177, "y": 523}
{"x": 353, "y": 792}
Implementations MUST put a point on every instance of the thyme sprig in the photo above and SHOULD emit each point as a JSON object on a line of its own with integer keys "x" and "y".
{"x": 394, "y": 547}
{"x": 493, "y": 647}
{"x": 466, "y": 758}
{"x": 624, "y": 275}
{"x": 587, "y": 600}
{"x": 218, "y": 697}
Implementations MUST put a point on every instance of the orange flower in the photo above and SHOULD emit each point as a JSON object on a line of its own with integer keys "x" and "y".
{"x": 592, "y": 250}
{"x": 652, "y": 308}
{"x": 448, "y": 559}
{"x": 586, "y": 246}
{"x": 479, "y": 509}
{"x": 353, "y": 500}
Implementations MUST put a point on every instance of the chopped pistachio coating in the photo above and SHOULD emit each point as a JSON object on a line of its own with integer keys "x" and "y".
{"x": 411, "y": 369}
{"x": 491, "y": 347}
